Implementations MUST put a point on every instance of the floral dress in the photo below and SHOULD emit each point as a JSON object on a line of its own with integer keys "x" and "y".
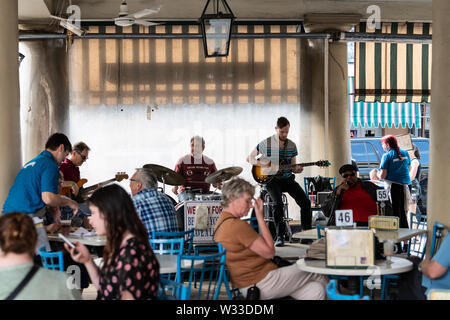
{"x": 135, "y": 270}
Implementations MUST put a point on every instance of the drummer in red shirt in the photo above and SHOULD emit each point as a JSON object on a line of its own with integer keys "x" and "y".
{"x": 353, "y": 193}
{"x": 194, "y": 168}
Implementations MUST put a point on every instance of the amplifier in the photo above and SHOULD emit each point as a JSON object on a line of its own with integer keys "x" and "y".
{"x": 383, "y": 222}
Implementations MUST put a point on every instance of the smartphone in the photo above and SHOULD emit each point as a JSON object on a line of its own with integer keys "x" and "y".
{"x": 66, "y": 240}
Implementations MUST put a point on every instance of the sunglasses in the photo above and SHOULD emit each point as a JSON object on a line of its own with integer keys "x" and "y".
{"x": 348, "y": 175}
{"x": 82, "y": 157}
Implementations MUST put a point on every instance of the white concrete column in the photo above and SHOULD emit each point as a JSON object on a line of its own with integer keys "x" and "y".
{"x": 9, "y": 97}
{"x": 324, "y": 103}
{"x": 44, "y": 94}
{"x": 439, "y": 174}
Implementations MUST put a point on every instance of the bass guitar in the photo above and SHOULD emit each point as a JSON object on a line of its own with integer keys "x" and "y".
{"x": 265, "y": 174}
{"x": 82, "y": 194}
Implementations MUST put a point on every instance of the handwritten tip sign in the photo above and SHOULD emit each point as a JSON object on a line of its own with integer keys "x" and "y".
{"x": 344, "y": 218}
{"x": 382, "y": 195}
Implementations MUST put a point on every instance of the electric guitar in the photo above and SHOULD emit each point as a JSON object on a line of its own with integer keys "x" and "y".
{"x": 264, "y": 174}
{"x": 67, "y": 191}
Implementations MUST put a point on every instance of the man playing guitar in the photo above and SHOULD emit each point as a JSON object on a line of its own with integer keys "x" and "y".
{"x": 71, "y": 174}
{"x": 279, "y": 150}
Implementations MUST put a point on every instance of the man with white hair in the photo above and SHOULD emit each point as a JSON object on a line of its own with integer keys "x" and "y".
{"x": 153, "y": 207}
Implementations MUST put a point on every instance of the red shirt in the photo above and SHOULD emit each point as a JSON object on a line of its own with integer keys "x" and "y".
{"x": 70, "y": 171}
{"x": 195, "y": 172}
{"x": 360, "y": 202}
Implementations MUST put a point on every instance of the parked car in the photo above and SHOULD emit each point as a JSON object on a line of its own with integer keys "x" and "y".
{"x": 367, "y": 153}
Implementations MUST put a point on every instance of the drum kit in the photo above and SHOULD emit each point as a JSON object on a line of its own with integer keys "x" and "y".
{"x": 170, "y": 177}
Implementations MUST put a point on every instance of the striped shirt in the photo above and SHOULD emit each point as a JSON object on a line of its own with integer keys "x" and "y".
{"x": 270, "y": 149}
{"x": 156, "y": 211}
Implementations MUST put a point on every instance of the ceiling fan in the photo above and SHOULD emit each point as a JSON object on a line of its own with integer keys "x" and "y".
{"x": 125, "y": 19}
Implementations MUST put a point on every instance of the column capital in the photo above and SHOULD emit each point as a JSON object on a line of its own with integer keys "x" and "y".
{"x": 325, "y": 22}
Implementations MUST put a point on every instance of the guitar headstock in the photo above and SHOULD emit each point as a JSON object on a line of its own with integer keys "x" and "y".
{"x": 120, "y": 176}
{"x": 323, "y": 163}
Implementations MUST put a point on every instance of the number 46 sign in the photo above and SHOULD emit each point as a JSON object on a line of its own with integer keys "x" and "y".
{"x": 344, "y": 218}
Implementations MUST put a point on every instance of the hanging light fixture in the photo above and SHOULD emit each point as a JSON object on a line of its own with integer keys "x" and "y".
{"x": 216, "y": 20}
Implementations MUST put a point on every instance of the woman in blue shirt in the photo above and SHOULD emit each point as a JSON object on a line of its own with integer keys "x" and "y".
{"x": 394, "y": 169}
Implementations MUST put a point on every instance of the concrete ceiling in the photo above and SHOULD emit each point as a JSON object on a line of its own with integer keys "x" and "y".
{"x": 391, "y": 10}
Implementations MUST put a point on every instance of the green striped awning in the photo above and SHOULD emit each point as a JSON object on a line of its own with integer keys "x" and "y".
{"x": 382, "y": 114}
{"x": 393, "y": 72}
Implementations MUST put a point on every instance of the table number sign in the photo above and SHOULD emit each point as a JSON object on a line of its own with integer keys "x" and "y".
{"x": 344, "y": 218}
{"x": 382, "y": 195}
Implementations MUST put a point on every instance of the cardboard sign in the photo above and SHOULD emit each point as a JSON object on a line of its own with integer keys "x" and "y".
{"x": 214, "y": 211}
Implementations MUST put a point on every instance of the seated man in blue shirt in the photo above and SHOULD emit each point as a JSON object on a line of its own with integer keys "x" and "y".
{"x": 36, "y": 185}
{"x": 153, "y": 207}
{"x": 435, "y": 270}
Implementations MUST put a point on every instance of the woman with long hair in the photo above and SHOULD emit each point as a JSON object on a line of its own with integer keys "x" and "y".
{"x": 394, "y": 169}
{"x": 130, "y": 269}
{"x": 415, "y": 188}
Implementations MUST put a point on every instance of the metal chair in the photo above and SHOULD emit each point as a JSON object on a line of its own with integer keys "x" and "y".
{"x": 437, "y": 237}
{"x": 269, "y": 208}
{"x": 172, "y": 290}
{"x": 188, "y": 236}
{"x": 334, "y": 295}
{"x": 418, "y": 244}
{"x": 174, "y": 246}
{"x": 416, "y": 247}
{"x": 210, "y": 275}
{"x": 52, "y": 260}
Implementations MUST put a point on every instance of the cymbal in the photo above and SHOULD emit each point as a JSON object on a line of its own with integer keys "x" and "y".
{"x": 170, "y": 177}
{"x": 223, "y": 175}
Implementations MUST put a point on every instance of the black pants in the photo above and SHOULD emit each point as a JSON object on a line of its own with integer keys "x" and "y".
{"x": 275, "y": 188}
{"x": 398, "y": 204}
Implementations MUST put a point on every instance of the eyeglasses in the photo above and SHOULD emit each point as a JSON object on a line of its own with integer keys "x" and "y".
{"x": 82, "y": 157}
{"x": 348, "y": 175}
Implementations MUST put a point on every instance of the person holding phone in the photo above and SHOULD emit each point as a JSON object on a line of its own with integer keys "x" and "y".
{"x": 353, "y": 193}
{"x": 130, "y": 269}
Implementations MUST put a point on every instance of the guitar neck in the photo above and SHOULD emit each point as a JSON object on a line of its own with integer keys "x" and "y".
{"x": 98, "y": 185}
{"x": 292, "y": 166}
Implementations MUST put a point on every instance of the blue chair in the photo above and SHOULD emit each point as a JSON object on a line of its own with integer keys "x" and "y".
{"x": 334, "y": 295}
{"x": 172, "y": 290}
{"x": 52, "y": 260}
{"x": 188, "y": 236}
{"x": 167, "y": 246}
{"x": 319, "y": 228}
{"x": 174, "y": 246}
{"x": 210, "y": 275}
{"x": 418, "y": 244}
{"x": 437, "y": 237}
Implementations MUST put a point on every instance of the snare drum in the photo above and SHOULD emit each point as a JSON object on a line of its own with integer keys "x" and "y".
{"x": 186, "y": 195}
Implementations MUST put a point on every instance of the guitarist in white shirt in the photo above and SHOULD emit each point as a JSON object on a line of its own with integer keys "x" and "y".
{"x": 273, "y": 152}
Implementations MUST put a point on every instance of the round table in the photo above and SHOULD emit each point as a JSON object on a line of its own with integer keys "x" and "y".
{"x": 399, "y": 265}
{"x": 168, "y": 263}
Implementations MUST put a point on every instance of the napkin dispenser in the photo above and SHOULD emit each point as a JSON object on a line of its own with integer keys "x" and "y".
{"x": 349, "y": 248}
{"x": 383, "y": 222}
